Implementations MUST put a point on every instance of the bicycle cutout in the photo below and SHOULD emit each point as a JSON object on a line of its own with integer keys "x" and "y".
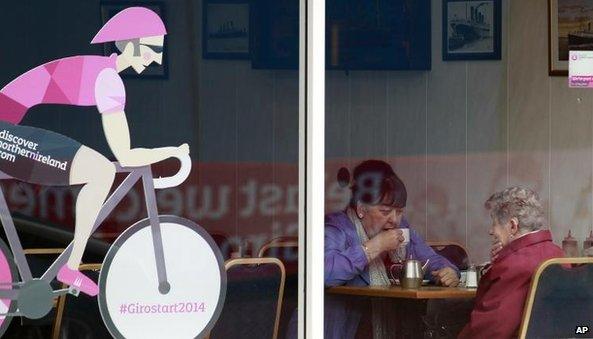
{"x": 162, "y": 277}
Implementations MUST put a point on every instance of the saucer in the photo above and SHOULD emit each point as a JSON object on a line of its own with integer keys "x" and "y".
{"x": 424, "y": 282}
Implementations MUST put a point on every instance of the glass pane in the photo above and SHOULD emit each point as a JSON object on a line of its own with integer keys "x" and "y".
{"x": 457, "y": 99}
{"x": 215, "y": 80}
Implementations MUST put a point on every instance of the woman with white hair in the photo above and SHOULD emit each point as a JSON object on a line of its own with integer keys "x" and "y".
{"x": 520, "y": 245}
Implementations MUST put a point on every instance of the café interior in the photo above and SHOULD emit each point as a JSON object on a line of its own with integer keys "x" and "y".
{"x": 465, "y": 108}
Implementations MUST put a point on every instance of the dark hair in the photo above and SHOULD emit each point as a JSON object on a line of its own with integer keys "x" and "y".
{"x": 375, "y": 183}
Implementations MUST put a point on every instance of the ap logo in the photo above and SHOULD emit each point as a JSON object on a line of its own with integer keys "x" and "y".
{"x": 582, "y": 329}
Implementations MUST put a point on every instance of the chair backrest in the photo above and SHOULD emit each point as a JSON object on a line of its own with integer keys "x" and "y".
{"x": 255, "y": 288}
{"x": 452, "y": 251}
{"x": 79, "y": 317}
{"x": 222, "y": 241}
{"x": 39, "y": 259}
{"x": 560, "y": 299}
{"x": 284, "y": 241}
{"x": 284, "y": 248}
{"x": 43, "y": 251}
{"x": 287, "y": 250}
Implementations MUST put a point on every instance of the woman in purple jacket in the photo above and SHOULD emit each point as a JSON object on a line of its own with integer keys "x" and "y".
{"x": 359, "y": 240}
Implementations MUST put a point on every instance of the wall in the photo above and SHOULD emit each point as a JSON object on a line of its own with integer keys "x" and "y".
{"x": 455, "y": 133}
{"x": 466, "y": 129}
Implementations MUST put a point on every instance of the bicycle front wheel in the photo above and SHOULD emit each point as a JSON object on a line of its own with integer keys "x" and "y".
{"x": 129, "y": 298}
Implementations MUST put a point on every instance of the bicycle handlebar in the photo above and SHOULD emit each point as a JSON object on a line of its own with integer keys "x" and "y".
{"x": 177, "y": 179}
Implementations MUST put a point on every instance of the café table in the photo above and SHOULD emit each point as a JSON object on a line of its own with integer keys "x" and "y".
{"x": 424, "y": 292}
{"x": 412, "y": 309}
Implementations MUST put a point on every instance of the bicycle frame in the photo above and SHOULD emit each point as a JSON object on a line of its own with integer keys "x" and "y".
{"x": 112, "y": 201}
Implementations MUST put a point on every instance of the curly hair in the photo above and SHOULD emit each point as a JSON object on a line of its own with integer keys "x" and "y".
{"x": 517, "y": 202}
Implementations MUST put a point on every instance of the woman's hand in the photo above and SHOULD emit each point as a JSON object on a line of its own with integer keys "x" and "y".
{"x": 446, "y": 276}
{"x": 495, "y": 250}
{"x": 387, "y": 240}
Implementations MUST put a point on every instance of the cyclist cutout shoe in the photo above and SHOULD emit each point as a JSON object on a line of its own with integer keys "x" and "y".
{"x": 75, "y": 279}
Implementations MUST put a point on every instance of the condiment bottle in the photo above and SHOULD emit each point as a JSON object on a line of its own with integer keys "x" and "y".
{"x": 569, "y": 246}
{"x": 588, "y": 245}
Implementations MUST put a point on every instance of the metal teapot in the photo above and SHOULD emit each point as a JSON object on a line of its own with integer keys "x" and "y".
{"x": 413, "y": 273}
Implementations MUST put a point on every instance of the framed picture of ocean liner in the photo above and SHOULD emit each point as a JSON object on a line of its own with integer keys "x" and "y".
{"x": 472, "y": 29}
{"x": 570, "y": 28}
{"x": 225, "y": 32}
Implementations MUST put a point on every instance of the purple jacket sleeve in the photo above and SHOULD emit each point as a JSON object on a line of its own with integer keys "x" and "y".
{"x": 343, "y": 260}
{"x": 421, "y": 251}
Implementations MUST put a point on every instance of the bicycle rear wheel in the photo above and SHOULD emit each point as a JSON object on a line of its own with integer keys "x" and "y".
{"x": 129, "y": 299}
{"x": 8, "y": 276}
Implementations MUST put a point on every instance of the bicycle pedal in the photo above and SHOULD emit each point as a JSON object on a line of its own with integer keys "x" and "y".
{"x": 74, "y": 291}
{"x": 61, "y": 292}
{"x": 13, "y": 314}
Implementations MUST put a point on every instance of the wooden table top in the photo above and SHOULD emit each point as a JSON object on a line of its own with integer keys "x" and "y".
{"x": 424, "y": 292}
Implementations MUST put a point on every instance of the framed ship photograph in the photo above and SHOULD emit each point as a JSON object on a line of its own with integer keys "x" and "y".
{"x": 472, "y": 29}
{"x": 225, "y": 32}
{"x": 570, "y": 27}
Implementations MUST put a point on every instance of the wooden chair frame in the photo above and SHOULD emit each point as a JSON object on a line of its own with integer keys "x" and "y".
{"x": 62, "y": 301}
{"x": 44, "y": 251}
{"x": 281, "y": 242}
{"x": 534, "y": 283}
{"x": 258, "y": 261}
{"x": 446, "y": 243}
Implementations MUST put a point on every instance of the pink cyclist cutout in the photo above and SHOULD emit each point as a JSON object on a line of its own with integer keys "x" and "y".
{"x": 88, "y": 80}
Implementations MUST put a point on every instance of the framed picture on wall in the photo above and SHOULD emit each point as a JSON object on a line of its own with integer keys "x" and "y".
{"x": 570, "y": 27}
{"x": 225, "y": 31}
{"x": 360, "y": 35}
{"x": 378, "y": 34}
{"x": 154, "y": 70}
{"x": 472, "y": 29}
{"x": 275, "y": 34}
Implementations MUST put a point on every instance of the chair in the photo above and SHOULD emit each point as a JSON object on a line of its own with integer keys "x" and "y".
{"x": 255, "y": 288}
{"x": 452, "y": 251}
{"x": 560, "y": 299}
{"x": 284, "y": 248}
{"x": 81, "y": 318}
{"x": 40, "y": 259}
{"x": 279, "y": 242}
{"x": 222, "y": 241}
{"x": 439, "y": 322}
{"x": 287, "y": 250}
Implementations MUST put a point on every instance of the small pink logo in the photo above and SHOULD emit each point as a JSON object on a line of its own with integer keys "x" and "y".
{"x": 574, "y": 57}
